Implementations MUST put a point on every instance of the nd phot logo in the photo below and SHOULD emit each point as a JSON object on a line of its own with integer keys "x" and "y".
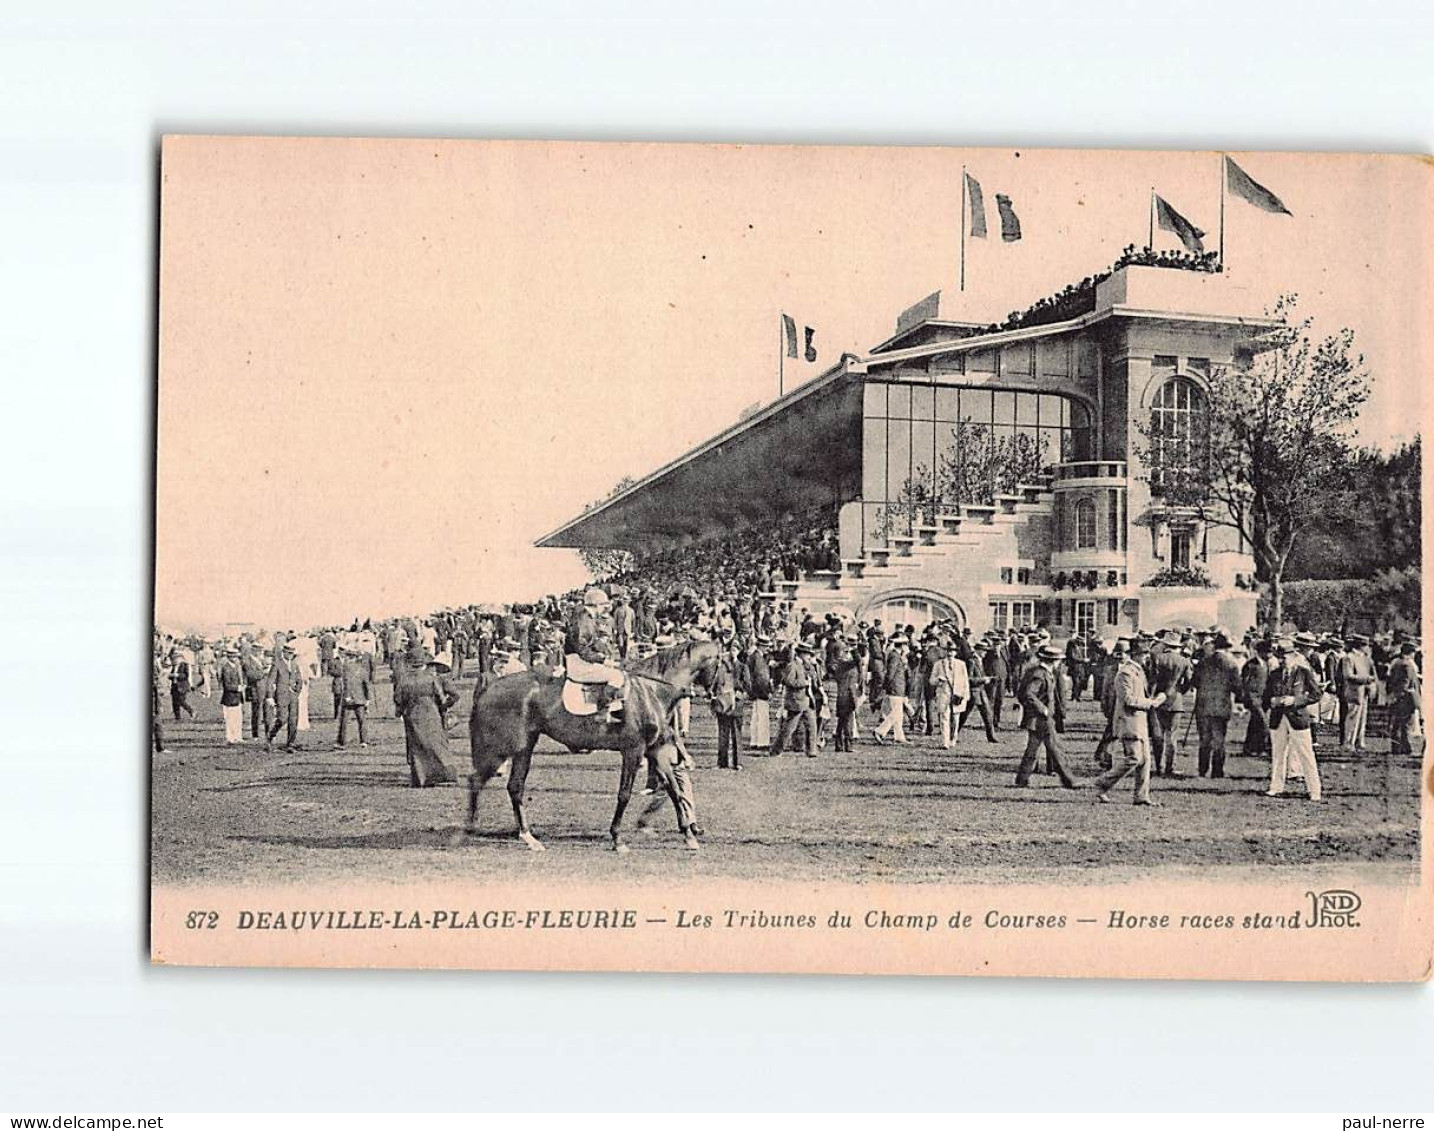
{"x": 1333, "y": 908}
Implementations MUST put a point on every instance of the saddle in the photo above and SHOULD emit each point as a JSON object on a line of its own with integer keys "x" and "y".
{"x": 582, "y": 698}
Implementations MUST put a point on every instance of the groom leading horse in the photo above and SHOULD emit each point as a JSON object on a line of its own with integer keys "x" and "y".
{"x": 510, "y": 714}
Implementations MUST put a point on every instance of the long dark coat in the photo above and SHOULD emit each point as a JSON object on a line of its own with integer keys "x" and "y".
{"x": 422, "y": 700}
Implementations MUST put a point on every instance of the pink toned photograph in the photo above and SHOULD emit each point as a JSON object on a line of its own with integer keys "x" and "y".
{"x": 810, "y": 559}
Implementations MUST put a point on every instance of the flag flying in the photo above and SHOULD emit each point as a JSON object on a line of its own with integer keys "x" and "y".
{"x": 811, "y": 350}
{"x": 978, "y": 207}
{"x": 1244, "y": 186}
{"x": 789, "y": 331}
{"x": 1010, "y": 226}
{"x": 1171, "y": 221}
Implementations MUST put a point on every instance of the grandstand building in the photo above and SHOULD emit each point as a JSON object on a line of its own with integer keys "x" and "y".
{"x": 1003, "y": 476}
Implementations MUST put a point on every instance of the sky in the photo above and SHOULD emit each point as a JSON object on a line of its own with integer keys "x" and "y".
{"x": 387, "y": 367}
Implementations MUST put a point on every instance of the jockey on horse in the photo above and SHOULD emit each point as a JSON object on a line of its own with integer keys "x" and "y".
{"x": 589, "y": 648}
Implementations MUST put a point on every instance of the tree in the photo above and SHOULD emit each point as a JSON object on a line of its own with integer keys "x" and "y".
{"x": 978, "y": 465}
{"x": 1273, "y": 447}
{"x": 605, "y": 563}
{"x": 1373, "y": 526}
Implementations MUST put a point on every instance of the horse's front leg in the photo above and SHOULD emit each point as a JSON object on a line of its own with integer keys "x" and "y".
{"x": 516, "y": 784}
{"x": 631, "y": 756}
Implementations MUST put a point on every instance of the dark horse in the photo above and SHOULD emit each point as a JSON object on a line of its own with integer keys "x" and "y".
{"x": 513, "y": 711}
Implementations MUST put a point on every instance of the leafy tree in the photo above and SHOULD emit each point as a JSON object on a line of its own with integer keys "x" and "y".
{"x": 979, "y": 465}
{"x": 1374, "y": 525}
{"x": 1272, "y": 448}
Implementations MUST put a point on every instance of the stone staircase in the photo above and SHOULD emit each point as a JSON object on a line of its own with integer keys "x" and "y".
{"x": 960, "y": 557}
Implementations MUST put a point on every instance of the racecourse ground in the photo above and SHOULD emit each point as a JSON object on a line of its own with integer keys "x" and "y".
{"x": 240, "y": 814}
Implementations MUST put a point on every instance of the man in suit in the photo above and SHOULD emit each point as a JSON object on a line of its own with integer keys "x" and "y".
{"x": 231, "y": 696}
{"x": 726, "y": 709}
{"x": 1130, "y": 705}
{"x": 932, "y": 652}
{"x": 1356, "y": 687}
{"x": 254, "y": 670}
{"x": 1076, "y": 664}
{"x": 1042, "y": 717}
{"x": 797, "y": 683}
{"x": 1014, "y": 650}
{"x": 355, "y": 690}
{"x": 624, "y": 621}
{"x": 895, "y": 676}
{"x": 285, "y": 683}
{"x": 993, "y": 663}
{"x": 1403, "y": 688}
{"x": 950, "y": 687}
{"x": 759, "y": 688}
{"x": 848, "y": 693}
{"x": 1290, "y": 691}
{"x": 328, "y": 657}
{"x": 179, "y": 684}
{"x": 1217, "y": 682}
{"x": 980, "y": 685}
{"x": 1253, "y": 678}
{"x": 1169, "y": 675}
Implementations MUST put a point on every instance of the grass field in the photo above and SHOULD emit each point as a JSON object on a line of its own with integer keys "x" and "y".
{"x": 238, "y": 814}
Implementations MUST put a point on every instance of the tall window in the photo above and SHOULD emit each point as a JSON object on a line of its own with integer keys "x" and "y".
{"x": 1180, "y": 547}
{"x": 1085, "y": 618}
{"x": 1085, "y": 524}
{"x": 1177, "y": 417}
{"x": 925, "y": 446}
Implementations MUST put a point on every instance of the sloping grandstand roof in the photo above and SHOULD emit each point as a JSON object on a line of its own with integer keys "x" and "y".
{"x": 801, "y": 451}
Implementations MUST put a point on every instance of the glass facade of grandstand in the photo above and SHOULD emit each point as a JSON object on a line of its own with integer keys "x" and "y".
{"x": 927, "y": 448}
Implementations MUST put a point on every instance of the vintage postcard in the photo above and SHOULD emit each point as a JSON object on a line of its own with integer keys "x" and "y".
{"x": 580, "y": 556}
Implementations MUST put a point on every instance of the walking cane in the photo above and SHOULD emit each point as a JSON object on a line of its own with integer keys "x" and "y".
{"x": 1187, "y": 732}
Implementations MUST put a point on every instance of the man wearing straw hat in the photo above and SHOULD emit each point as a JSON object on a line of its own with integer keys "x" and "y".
{"x": 1217, "y": 682}
{"x": 285, "y": 683}
{"x": 353, "y": 691}
{"x": 1042, "y": 717}
{"x": 1130, "y": 707}
{"x": 1356, "y": 687}
{"x": 759, "y": 688}
{"x": 1290, "y": 691}
{"x": 231, "y": 696}
{"x": 797, "y": 680}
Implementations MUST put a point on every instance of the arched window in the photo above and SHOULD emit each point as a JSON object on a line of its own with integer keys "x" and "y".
{"x": 1177, "y": 419}
{"x": 1085, "y": 524}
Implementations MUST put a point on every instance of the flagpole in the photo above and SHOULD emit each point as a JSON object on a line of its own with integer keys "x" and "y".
{"x": 1150, "y": 243}
{"x": 781, "y": 356}
{"x": 963, "y": 228}
{"x": 1222, "y": 212}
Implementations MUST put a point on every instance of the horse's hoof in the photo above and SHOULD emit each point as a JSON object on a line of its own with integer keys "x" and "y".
{"x": 692, "y": 843}
{"x": 533, "y": 843}
{"x": 620, "y": 848}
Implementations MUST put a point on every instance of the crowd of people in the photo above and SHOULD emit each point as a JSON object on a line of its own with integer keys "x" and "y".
{"x": 788, "y": 680}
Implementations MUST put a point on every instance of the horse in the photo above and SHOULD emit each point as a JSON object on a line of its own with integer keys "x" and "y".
{"x": 510, "y": 714}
